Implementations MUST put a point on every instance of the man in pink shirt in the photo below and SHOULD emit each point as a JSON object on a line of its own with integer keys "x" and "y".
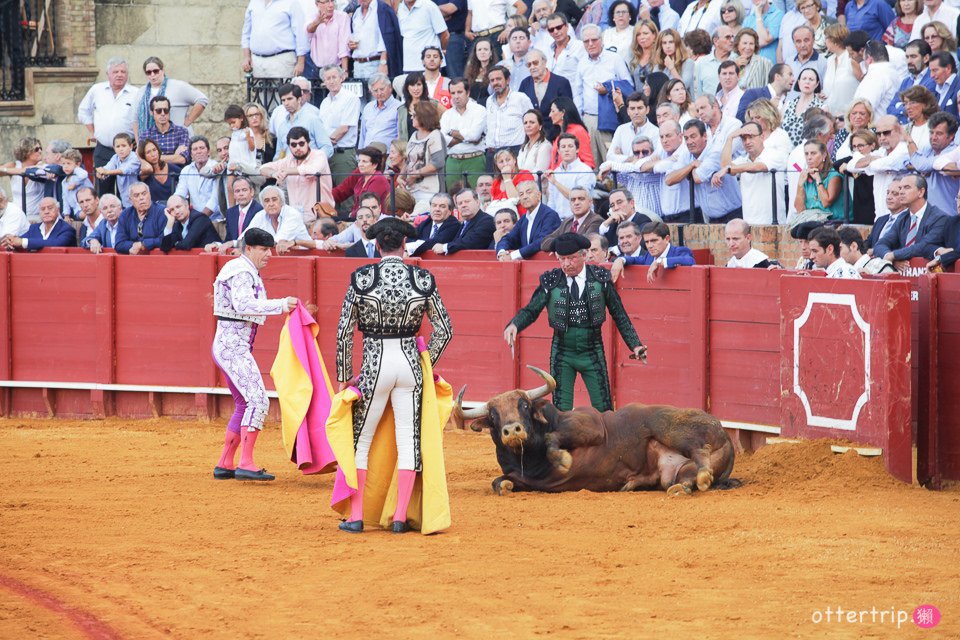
{"x": 328, "y": 32}
{"x": 298, "y": 172}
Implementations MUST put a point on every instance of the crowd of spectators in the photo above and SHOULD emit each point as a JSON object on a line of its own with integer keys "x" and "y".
{"x": 497, "y": 125}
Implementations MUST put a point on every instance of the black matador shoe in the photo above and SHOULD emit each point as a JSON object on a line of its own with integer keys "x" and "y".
{"x": 261, "y": 474}
{"x": 352, "y": 527}
{"x": 219, "y": 473}
{"x": 400, "y": 527}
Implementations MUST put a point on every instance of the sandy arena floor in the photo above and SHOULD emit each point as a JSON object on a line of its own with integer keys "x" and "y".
{"x": 116, "y": 530}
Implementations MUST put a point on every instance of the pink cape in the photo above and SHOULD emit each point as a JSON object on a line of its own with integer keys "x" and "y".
{"x": 310, "y": 452}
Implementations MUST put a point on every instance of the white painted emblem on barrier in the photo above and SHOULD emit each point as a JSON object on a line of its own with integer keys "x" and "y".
{"x": 843, "y": 300}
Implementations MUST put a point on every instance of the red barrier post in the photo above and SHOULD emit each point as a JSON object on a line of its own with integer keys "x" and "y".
{"x": 6, "y": 350}
{"x": 928, "y": 413}
{"x": 105, "y": 292}
{"x": 845, "y": 364}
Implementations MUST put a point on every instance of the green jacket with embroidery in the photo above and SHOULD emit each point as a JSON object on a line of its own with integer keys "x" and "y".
{"x": 601, "y": 296}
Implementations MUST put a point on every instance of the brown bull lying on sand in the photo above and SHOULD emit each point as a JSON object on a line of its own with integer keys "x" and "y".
{"x": 540, "y": 448}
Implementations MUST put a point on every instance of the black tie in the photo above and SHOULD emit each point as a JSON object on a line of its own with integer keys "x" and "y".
{"x": 574, "y": 290}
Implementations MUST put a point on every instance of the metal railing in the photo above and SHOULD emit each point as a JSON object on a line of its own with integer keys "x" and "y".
{"x": 40, "y": 37}
{"x": 27, "y": 39}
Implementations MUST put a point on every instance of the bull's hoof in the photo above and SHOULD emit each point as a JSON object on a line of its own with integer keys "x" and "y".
{"x": 562, "y": 460}
{"x": 631, "y": 485}
{"x": 704, "y": 479}
{"x": 679, "y": 490}
{"x": 504, "y": 488}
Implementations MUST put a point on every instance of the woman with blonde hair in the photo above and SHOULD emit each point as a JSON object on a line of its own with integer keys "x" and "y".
{"x": 641, "y": 61}
{"x": 859, "y": 116}
{"x": 28, "y": 153}
{"x": 940, "y": 38}
{"x": 670, "y": 55}
{"x": 766, "y": 114}
{"x": 754, "y": 68}
{"x": 864, "y": 142}
{"x": 259, "y": 122}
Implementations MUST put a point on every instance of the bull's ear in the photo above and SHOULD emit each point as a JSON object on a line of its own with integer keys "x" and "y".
{"x": 480, "y": 424}
{"x": 537, "y": 409}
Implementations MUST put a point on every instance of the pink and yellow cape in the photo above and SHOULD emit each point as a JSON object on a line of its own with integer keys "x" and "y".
{"x": 305, "y": 393}
{"x": 429, "y": 509}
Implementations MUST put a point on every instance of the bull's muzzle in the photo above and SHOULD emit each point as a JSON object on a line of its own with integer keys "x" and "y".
{"x": 513, "y": 435}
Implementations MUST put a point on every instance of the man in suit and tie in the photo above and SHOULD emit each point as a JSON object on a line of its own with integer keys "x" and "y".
{"x": 440, "y": 228}
{"x": 660, "y": 254}
{"x": 524, "y": 240}
{"x": 543, "y": 87}
{"x": 943, "y": 70}
{"x": 780, "y": 81}
{"x": 886, "y": 222}
{"x": 51, "y": 231}
{"x": 583, "y": 221}
{"x": 623, "y": 208}
{"x": 476, "y": 227}
{"x": 186, "y": 229}
{"x": 921, "y": 227}
{"x": 240, "y": 215}
{"x": 364, "y": 247}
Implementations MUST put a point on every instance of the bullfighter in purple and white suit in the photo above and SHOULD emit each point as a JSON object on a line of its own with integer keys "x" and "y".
{"x": 240, "y": 304}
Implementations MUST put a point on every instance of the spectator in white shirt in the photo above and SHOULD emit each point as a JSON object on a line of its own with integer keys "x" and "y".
{"x": 422, "y": 26}
{"x": 597, "y": 68}
{"x": 885, "y": 161}
{"x": 280, "y": 220}
{"x": 571, "y": 172}
{"x": 463, "y": 127}
{"x": 756, "y": 190}
{"x": 107, "y": 109}
{"x": 505, "y": 109}
{"x": 825, "y": 253}
{"x": 879, "y": 85}
{"x": 739, "y": 241}
{"x": 730, "y": 92}
{"x": 621, "y": 147}
{"x": 566, "y": 52}
{"x": 936, "y": 11}
{"x": 13, "y": 221}
{"x": 274, "y": 39}
{"x": 340, "y": 111}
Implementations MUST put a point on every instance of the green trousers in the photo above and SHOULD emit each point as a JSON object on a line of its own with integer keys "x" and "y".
{"x": 455, "y": 167}
{"x": 580, "y": 350}
{"x": 341, "y": 164}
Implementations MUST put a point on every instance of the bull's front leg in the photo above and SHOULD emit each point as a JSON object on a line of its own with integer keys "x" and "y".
{"x": 558, "y": 456}
{"x": 504, "y": 485}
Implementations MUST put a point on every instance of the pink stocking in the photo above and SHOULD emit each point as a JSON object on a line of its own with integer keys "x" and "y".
{"x": 231, "y": 441}
{"x": 247, "y": 440}
{"x": 356, "y": 500}
{"x": 405, "y": 480}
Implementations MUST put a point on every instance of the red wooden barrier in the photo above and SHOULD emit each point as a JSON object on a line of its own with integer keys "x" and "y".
{"x": 713, "y": 334}
{"x": 845, "y": 368}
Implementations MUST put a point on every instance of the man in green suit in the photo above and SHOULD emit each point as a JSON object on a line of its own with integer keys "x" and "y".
{"x": 576, "y": 297}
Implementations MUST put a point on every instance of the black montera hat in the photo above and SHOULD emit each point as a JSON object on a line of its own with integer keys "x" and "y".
{"x": 391, "y": 223}
{"x": 258, "y": 238}
{"x": 568, "y": 244}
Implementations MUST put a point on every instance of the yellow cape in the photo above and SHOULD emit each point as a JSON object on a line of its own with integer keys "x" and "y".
{"x": 429, "y": 509}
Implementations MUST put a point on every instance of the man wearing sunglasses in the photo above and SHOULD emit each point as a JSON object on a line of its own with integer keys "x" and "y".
{"x": 882, "y": 163}
{"x": 299, "y": 172}
{"x": 566, "y": 52}
{"x": 173, "y": 140}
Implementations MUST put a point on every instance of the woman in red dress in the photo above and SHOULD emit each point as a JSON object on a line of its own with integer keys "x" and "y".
{"x": 566, "y": 119}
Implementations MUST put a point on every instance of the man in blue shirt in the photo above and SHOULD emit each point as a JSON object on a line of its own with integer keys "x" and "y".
{"x": 768, "y": 28}
{"x": 937, "y": 161}
{"x": 378, "y": 122}
{"x": 872, "y": 16}
{"x": 299, "y": 116}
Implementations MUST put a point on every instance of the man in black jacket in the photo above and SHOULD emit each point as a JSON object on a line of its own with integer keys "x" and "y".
{"x": 476, "y": 227}
{"x": 186, "y": 229}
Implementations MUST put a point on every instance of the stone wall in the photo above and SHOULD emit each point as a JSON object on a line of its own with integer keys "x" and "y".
{"x": 198, "y": 41}
{"x": 775, "y": 241}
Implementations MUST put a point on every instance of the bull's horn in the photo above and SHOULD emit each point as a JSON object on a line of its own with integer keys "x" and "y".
{"x": 470, "y": 414}
{"x": 539, "y": 392}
